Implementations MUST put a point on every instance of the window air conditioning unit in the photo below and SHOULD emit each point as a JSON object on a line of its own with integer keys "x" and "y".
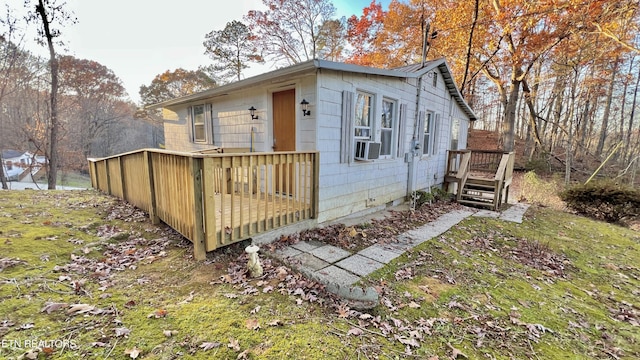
{"x": 367, "y": 150}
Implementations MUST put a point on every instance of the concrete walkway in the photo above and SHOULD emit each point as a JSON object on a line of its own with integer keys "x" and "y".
{"x": 339, "y": 269}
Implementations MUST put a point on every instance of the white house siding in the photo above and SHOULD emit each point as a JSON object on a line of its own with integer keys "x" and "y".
{"x": 347, "y": 188}
{"x": 430, "y": 168}
{"x": 231, "y": 122}
{"x": 229, "y": 117}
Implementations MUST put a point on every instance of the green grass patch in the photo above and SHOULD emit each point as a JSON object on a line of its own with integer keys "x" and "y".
{"x": 85, "y": 275}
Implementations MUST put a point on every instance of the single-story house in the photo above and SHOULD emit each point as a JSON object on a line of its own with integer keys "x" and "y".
{"x": 381, "y": 134}
{"x": 15, "y": 164}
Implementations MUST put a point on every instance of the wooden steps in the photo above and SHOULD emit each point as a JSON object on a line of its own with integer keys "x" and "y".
{"x": 482, "y": 177}
{"x": 478, "y": 192}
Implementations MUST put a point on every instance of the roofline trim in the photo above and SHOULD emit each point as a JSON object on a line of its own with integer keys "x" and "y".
{"x": 313, "y": 65}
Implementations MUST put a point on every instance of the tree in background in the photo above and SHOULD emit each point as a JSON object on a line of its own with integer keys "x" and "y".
{"x": 46, "y": 13}
{"x": 331, "y": 42}
{"x": 93, "y": 99}
{"x": 172, "y": 84}
{"x": 362, "y": 34}
{"x": 231, "y": 49}
{"x": 289, "y": 31}
{"x": 12, "y": 76}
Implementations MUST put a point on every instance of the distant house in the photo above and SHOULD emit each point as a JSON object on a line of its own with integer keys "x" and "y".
{"x": 381, "y": 133}
{"x": 18, "y": 164}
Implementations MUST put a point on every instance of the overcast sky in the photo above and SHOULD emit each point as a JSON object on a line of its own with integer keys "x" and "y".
{"x": 139, "y": 39}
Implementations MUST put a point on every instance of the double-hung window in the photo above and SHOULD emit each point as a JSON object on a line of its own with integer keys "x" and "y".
{"x": 387, "y": 127}
{"x": 436, "y": 136}
{"x": 362, "y": 126}
{"x": 427, "y": 138}
{"x": 198, "y": 123}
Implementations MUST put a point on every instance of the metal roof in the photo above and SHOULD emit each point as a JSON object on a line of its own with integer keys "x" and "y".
{"x": 410, "y": 71}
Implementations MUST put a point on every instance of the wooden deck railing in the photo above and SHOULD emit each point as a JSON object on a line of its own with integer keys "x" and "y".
{"x": 214, "y": 199}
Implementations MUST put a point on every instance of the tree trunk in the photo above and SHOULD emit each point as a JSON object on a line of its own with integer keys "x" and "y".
{"x": 533, "y": 119}
{"x": 53, "y": 125}
{"x": 3, "y": 178}
{"x": 508, "y": 126}
{"x": 558, "y": 95}
{"x": 469, "y": 43}
{"x": 628, "y": 153}
{"x": 624, "y": 102}
{"x": 607, "y": 110}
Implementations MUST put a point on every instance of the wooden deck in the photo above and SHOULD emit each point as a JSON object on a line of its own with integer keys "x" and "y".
{"x": 214, "y": 199}
{"x": 248, "y": 214}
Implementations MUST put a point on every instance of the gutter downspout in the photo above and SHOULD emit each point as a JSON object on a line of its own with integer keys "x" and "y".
{"x": 415, "y": 145}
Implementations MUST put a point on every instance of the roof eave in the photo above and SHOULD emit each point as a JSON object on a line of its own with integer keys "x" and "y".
{"x": 224, "y": 89}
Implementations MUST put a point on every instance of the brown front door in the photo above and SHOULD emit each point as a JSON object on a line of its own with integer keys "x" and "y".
{"x": 284, "y": 135}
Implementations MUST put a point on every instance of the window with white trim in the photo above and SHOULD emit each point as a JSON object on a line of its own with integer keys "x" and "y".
{"x": 364, "y": 107}
{"x": 201, "y": 124}
{"x": 198, "y": 123}
{"x": 455, "y": 133}
{"x": 436, "y": 129}
{"x": 427, "y": 137}
{"x": 388, "y": 124}
{"x": 435, "y": 79}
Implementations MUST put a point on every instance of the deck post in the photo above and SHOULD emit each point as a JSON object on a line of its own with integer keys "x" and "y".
{"x": 199, "y": 246}
{"x": 106, "y": 170}
{"x": 209, "y": 208}
{"x": 153, "y": 211}
{"x": 121, "y": 176}
{"x": 93, "y": 172}
{"x": 316, "y": 185}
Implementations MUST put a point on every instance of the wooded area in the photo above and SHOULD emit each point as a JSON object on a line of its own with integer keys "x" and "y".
{"x": 561, "y": 75}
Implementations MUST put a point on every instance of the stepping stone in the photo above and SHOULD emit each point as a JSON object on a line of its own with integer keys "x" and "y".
{"x": 335, "y": 275}
{"x": 360, "y": 265}
{"x": 310, "y": 262}
{"x": 379, "y": 253}
{"x": 287, "y": 252}
{"x": 514, "y": 213}
{"x": 487, "y": 213}
{"x": 307, "y": 246}
{"x": 330, "y": 253}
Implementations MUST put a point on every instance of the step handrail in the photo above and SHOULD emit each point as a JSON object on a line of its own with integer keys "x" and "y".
{"x": 463, "y": 173}
{"x": 504, "y": 169}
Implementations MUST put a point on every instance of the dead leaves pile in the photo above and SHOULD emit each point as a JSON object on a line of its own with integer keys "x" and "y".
{"x": 526, "y": 252}
{"x": 378, "y": 231}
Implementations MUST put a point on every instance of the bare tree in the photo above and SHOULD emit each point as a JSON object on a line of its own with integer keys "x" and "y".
{"x": 47, "y": 13}
{"x": 289, "y": 31}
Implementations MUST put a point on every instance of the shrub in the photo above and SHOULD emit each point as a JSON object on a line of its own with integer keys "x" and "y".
{"x": 441, "y": 194}
{"x": 604, "y": 200}
{"x": 420, "y": 197}
{"x": 541, "y": 190}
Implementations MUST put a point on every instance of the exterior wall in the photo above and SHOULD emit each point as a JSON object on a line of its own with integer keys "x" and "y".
{"x": 359, "y": 186}
{"x": 365, "y": 186}
{"x": 344, "y": 188}
{"x": 231, "y": 123}
{"x": 430, "y": 168}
